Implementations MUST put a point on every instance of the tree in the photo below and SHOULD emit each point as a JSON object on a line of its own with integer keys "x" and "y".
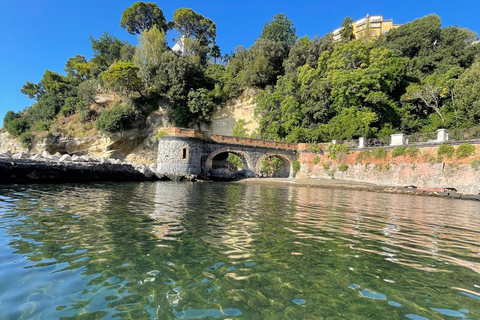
{"x": 280, "y": 29}
{"x": 262, "y": 64}
{"x": 33, "y": 90}
{"x": 215, "y": 53}
{"x": 196, "y": 31}
{"x": 122, "y": 77}
{"x": 143, "y": 16}
{"x": 147, "y": 55}
{"x": 200, "y": 105}
{"x": 107, "y": 50}
{"x": 78, "y": 68}
{"x": 88, "y": 90}
{"x": 467, "y": 95}
{"x": 347, "y": 30}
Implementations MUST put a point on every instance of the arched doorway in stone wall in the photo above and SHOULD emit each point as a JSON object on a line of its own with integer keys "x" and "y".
{"x": 275, "y": 166}
{"x": 228, "y": 164}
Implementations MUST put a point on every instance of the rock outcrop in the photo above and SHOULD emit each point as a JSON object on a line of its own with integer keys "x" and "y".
{"x": 25, "y": 167}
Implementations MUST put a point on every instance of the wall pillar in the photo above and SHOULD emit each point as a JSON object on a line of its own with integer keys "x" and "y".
{"x": 397, "y": 139}
{"x": 442, "y": 135}
{"x": 361, "y": 142}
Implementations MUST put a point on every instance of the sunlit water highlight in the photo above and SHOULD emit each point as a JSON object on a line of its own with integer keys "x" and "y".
{"x": 227, "y": 251}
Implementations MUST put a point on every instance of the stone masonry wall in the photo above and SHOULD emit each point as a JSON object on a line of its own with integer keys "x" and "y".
{"x": 425, "y": 170}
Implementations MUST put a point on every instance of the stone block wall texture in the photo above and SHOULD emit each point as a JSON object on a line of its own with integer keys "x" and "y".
{"x": 170, "y": 159}
{"x": 424, "y": 170}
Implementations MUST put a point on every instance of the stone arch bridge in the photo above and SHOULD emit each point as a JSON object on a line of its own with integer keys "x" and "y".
{"x": 187, "y": 152}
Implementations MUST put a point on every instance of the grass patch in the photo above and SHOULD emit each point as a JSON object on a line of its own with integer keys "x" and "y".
{"x": 362, "y": 156}
{"x": 475, "y": 164}
{"x": 343, "y": 167}
{"x": 413, "y": 151}
{"x": 335, "y": 150}
{"x": 316, "y": 160}
{"x": 380, "y": 153}
{"x": 326, "y": 165}
{"x": 465, "y": 150}
{"x": 399, "y": 151}
{"x": 445, "y": 149}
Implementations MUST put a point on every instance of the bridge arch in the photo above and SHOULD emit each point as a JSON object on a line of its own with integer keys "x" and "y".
{"x": 287, "y": 161}
{"x": 247, "y": 162}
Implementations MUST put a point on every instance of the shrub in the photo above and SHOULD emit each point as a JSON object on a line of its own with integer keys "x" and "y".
{"x": 326, "y": 165}
{"x": 413, "y": 151}
{"x": 270, "y": 166}
{"x": 160, "y": 134}
{"x": 343, "y": 167}
{"x": 235, "y": 161}
{"x": 316, "y": 160}
{"x": 116, "y": 118}
{"x": 475, "y": 164}
{"x": 334, "y": 150}
{"x": 379, "y": 167}
{"x": 380, "y": 153}
{"x": 296, "y": 166}
{"x": 465, "y": 150}
{"x": 26, "y": 139}
{"x": 362, "y": 156}
{"x": 399, "y": 151}
{"x": 445, "y": 149}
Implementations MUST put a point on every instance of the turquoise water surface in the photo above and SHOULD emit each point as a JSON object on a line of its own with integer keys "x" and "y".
{"x": 170, "y": 250}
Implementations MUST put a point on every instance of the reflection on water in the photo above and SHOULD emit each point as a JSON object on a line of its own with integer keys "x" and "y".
{"x": 228, "y": 251}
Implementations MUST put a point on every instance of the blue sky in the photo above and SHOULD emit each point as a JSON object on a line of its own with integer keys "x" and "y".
{"x": 42, "y": 34}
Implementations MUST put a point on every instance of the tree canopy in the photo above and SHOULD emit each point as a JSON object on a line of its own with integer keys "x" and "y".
{"x": 143, "y": 16}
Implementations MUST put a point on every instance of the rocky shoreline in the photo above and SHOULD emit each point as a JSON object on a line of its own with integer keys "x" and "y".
{"x": 25, "y": 167}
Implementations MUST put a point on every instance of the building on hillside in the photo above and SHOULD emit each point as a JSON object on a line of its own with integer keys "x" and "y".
{"x": 370, "y": 27}
{"x": 179, "y": 47}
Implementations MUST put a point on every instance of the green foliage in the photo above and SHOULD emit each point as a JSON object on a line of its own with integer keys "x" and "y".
{"x": 280, "y": 29}
{"x": 78, "y": 68}
{"x": 143, "y": 16}
{"x": 379, "y": 167}
{"x": 467, "y": 90}
{"x": 27, "y": 139}
{"x": 240, "y": 130}
{"x": 363, "y": 156}
{"x": 475, "y": 164}
{"x": 122, "y": 77}
{"x": 201, "y": 105}
{"x": 465, "y": 150}
{"x": 445, "y": 149}
{"x": 296, "y": 166}
{"x": 399, "y": 151}
{"x": 270, "y": 166}
{"x": 335, "y": 150}
{"x": 235, "y": 160}
{"x": 197, "y": 31}
{"x": 117, "y": 118}
{"x": 32, "y": 90}
{"x": 69, "y": 107}
{"x": 347, "y": 30}
{"x": 413, "y": 151}
{"x": 316, "y": 160}
{"x": 108, "y": 49}
{"x": 343, "y": 167}
{"x": 326, "y": 165}
{"x": 15, "y": 123}
{"x": 160, "y": 134}
{"x": 151, "y": 45}
{"x": 380, "y": 153}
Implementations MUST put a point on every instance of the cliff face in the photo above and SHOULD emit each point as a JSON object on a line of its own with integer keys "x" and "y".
{"x": 241, "y": 108}
{"x": 136, "y": 145}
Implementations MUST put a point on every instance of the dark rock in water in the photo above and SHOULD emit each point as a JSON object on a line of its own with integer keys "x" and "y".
{"x": 450, "y": 190}
{"x": 34, "y": 171}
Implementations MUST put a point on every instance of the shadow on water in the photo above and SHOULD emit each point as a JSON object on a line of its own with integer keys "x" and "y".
{"x": 171, "y": 250}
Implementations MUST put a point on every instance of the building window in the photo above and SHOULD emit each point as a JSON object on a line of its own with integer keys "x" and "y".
{"x": 184, "y": 153}
{"x": 374, "y": 33}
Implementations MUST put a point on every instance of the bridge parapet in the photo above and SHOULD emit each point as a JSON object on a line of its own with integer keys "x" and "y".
{"x": 192, "y": 133}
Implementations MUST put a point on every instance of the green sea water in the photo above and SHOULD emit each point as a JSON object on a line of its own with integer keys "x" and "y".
{"x": 170, "y": 250}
